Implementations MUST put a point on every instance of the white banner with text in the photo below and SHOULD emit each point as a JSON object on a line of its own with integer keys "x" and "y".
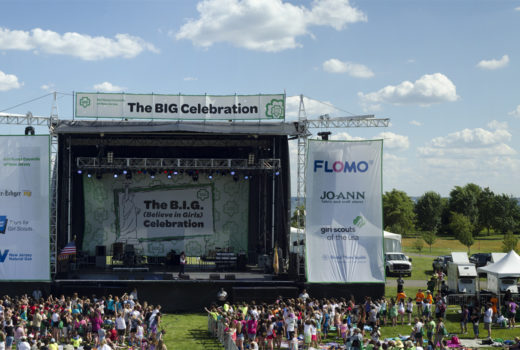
{"x": 149, "y": 215}
{"x": 344, "y": 214}
{"x": 24, "y": 208}
{"x": 183, "y": 107}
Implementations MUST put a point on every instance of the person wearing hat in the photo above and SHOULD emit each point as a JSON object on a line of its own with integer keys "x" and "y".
{"x": 408, "y": 345}
{"x": 53, "y": 345}
{"x": 356, "y": 340}
{"x": 399, "y": 344}
{"x": 24, "y": 344}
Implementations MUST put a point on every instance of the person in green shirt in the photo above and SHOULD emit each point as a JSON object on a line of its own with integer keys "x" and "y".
{"x": 430, "y": 328}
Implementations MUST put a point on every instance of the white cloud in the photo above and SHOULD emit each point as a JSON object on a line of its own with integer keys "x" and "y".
{"x": 344, "y": 136}
{"x": 394, "y": 141}
{"x": 415, "y": 122}
{"x": 78, "y": 45}
{"x": 470, "y": 144}
{"x": 517, "y": 8}
{"x": 47, "y": 87}
{"x": 108, "y": 87}
{"x": 9, "y": 82}
{"x": 493, "y": 63}
{"x": 313, "y": 108}
{"x": 428, "y": 89}
{"x": 516, "y": 112}
{"x": 190, "y": 79}
{"x": 353, "y": 69}
{"x": 267, "y": 25}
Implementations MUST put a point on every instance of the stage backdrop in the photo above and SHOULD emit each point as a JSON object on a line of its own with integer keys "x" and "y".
{"x": 158, "y": 215}
{"x": 344, "y": 229}
{"x": 24, "y": 208}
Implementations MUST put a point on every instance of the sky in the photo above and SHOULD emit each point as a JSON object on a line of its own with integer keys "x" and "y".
{"x": 446, "y": 73}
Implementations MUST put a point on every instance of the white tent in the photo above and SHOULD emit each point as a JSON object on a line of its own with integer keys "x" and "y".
{"x": 509, "y": 265}
{"x": 392, "y": 242}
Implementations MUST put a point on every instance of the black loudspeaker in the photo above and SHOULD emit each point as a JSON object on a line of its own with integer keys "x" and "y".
{"x": 168, "y": 277}
{"x": 101, "y": 250}
{"x": 214, "y": 276}
{"x": 229, "y": 276}
{"x": 241, "y": 262}
{"x": 184, "y": 277}
{"x": 293, "y": 265}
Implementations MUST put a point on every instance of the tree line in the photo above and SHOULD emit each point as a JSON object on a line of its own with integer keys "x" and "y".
{"x": 468, "y": 211}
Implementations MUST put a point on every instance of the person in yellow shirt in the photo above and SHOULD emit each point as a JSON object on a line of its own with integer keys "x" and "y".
{"x": 419, "y": 297}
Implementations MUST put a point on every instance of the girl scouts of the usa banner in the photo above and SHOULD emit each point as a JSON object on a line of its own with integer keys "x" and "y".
{"x": 344, "y": 228}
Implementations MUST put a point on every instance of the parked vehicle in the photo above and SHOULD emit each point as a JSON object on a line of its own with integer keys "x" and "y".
{"x": 502, "y": 284}
{"x": 398, "y": 263}
{"x": 480, "y": 259}
{"x": 462, "y": 275}
{"x": 441, "y": 263}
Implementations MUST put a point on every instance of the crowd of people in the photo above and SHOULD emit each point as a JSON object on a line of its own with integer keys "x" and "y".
{"x": 30, "y": 322}
{"x": 306, "y": 322}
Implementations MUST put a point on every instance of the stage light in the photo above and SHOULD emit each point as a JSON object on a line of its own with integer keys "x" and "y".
{"x": 232, "y": 173}
{"x": 115, "y": 175}
{"x": 246, "y": 177}
{"x": 125, "y": 172}
{"x": 169, "y": 176}
{"x": 175, "y": 172}
{"x": 152, "y": 174}
{"x": 210, "y": 176}
{"x": 79, "y": 171}
{"x": 89, "y": 175}
{"x": 110, "y": 157}
{"x": 277, "y": 173}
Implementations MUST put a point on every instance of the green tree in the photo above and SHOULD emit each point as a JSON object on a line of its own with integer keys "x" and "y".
{"x": 298, "y": 221}
{"x": 429, "y": 210}
{"x": 464, "y": 200}
{"x": 506, "y": 213}
{"x": 486, "y": 208}
{"x": 510, "y": 242}
{"x": 398, "y": 214}
{"x": 418, "y": 244}
{"x": 463, "y": 229}
{"x": 429, "y": 237}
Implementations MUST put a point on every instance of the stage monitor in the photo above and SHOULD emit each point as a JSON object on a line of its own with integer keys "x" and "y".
{"x": 24, "y": 208}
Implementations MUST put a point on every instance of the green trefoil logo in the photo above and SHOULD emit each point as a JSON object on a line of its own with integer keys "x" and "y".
{"x": 359, "y": 221}
{"x": 275, "y": 109}
{"x": 84, "y": 102}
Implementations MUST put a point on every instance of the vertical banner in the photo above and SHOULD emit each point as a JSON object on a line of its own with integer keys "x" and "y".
{"x": 24, "y": 208}
{"x": 344, "y": 221}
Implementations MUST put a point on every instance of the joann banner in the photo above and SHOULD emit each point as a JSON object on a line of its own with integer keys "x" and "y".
{"x": 344, "y": 228}
{"x": 24, "y": 208}
{"x": 180, "y": 107}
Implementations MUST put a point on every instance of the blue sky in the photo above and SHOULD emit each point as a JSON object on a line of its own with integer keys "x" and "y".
{"x": 445, "y": 72}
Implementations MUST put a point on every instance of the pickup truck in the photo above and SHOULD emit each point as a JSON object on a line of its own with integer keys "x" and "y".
{"x": 398, "y": 263}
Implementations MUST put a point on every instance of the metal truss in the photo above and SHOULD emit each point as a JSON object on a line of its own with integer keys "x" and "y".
{"x": 362, "y": 121}
{"x": 23, "y": 119}
{"x": 168, "y": 142}
{"x": 94, "y": 163}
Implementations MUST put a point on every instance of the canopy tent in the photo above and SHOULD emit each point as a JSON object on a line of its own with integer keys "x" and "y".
{"x": 392, "y": 242}
{"x": 509, "y": 265}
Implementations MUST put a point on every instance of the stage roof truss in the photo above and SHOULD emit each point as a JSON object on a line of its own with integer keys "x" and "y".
{"x": 95, "y": 163}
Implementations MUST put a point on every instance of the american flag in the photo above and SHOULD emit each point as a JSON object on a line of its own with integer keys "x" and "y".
{"x": 67, "y": 251}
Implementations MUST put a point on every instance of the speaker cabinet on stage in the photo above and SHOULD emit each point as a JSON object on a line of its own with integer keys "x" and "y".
{"x": 214, "y": 276}
{"x": 184, "y": 277}
{"x": 101, "y": 261}
{"x": 241, "y": 262}
{"x": 229, "y": 276}
{"x": 101, "y": 250}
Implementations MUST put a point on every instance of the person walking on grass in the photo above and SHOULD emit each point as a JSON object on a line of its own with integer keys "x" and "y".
{"x": 475, "y": 320}
{"x": 488, "y": 318}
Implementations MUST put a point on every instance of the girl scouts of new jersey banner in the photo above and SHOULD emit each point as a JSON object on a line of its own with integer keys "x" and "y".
{"x": 24, "y": 208}
{"x": 344, "y": 231}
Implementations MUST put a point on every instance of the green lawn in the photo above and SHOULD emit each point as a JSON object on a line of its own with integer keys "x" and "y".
{"x": 189, "y": 331}
{"x": 446, "y": 245}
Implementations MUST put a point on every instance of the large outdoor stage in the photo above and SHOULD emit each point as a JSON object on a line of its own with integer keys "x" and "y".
{"x": 203, "y": 180}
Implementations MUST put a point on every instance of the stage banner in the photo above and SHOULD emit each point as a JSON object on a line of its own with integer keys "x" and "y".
{"x": 344, "y": 228}
{"x": 24, "y": 208}
{"x": 180, "y": 107}
{"x": 147, "y": 215}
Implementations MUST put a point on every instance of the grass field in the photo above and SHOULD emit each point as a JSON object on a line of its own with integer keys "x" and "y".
{"x": 446, "y": 245}
{"x": 189, "y": 331}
